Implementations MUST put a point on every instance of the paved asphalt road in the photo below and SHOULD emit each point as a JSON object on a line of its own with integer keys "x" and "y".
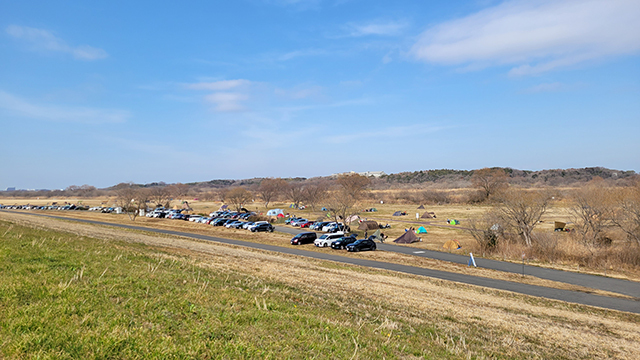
{"x": 627, "y": 305}
{"x": 618, "y": 286}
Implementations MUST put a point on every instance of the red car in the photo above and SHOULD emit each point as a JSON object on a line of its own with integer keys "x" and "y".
{"x": 307, "y": 224}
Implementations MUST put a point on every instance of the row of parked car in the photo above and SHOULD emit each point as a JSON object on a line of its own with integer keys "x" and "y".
{"x": 336, "y": 241}
{"x": 228, "y": 219}
{"x": 324, "y": 226}
{"x": 335, "y": 232}
{"x": 44, "y": 207}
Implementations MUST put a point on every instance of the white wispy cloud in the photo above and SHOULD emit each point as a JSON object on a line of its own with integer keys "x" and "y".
{"x": 72, "y": 114}
{"x": 223, "y": 99}
{"x": 45, "y": 41}
{"x": 227, "y": 101}
{"x": 535, "y": 36}
{"x": 381, "y": 28}
{"x": 218, "y": 85}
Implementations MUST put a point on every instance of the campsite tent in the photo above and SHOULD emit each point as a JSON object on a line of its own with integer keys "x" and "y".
{"x": 368, "y": 225}
{"x": 376, "y": 236}
{"x": 407, "y": 238}
{"x": 452, "y": 245}
{"x": 421, "y": 230}
{"x": 421, "y": 207}
{"x": 397, "y": 213}
{"x": 352, "y": 218}
{"x": 275, "y": 212}
{"x": 559, "y": 226}
{"x": 223, "y": 207}
{"x": 428, "y": 215}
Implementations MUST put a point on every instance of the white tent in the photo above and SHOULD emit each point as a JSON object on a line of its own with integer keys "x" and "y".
{"x": 275, "y": 212}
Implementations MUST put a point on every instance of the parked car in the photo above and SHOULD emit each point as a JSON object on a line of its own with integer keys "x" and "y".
{"x": 304, "y": 238}
{"x": 326, "y": 227}
{"x": 262, "y": 227}
{"x": 319, "y": 225}
{"x": 326, "y": 239}
{"x": 362, "y": 244}
{"x": 298, "y": 222}
{"x": 307, "y": 224}
{"x": 342, "y": 242}
{"x": 338, "y": 227}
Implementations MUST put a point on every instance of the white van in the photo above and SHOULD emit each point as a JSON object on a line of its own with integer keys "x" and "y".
{"x": 326, "y": 239}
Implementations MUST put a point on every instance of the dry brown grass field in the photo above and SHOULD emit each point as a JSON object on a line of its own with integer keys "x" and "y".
{"x": 438, "y": 232}
{"x": 472, "y": 318}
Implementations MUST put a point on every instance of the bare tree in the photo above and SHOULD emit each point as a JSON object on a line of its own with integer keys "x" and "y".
{"x": 131, "y": 199}
{"x": 627, "y": 216}
{"x": 592, "y": 210}
{"x": 490, "y": 181}
{"x": 487, "y": 230}
{"x": 269, "y": 189}
{"x": 161, "y": 196}
{"x": 238, "y": 197}
{"x": 178, "y": 191}
{"x": 522, "y": 211}
{"x": 296, "y": 193}
{"x": 343, "y": 200}
{"x": 316, "y": 192}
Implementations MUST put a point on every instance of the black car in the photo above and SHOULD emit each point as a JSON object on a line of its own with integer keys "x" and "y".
{"x": 262, "y": 227}
{"x": 304, "y": 238}
{"x": 343, "y": 242}
{"x": 362, "y": 244}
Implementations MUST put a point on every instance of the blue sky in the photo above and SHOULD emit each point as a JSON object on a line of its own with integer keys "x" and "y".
{"x": 105, "y": 92}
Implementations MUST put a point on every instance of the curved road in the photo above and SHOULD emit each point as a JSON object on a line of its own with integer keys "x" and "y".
{"x": 620, "y": 304}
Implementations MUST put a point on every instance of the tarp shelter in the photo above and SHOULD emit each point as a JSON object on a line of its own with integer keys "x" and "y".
{"x": 368, "y": 225}
{"x": 428, "y": 215}
{"x": 397, "y": 213}
{"x": 421, "y": 230}
{"x": 407, "y": 238}
{"x": 559, "y": 226}
{"x": 452, "y": 245}
{"x": 275, "y": 212}
{"x": 352, "y": 218}
{"x": 376, "y": 236}
{"x": 421, "y": 207}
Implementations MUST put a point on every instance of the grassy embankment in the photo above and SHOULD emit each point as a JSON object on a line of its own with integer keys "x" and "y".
{"x": 68, "y": 296}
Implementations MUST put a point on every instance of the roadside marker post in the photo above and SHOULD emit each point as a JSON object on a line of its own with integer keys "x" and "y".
{"x": 472, "y": 261}
{"x": 523, "y": 264}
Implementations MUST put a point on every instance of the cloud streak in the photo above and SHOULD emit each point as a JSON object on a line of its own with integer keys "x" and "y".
{"x": 223, "y": 99}
{"x": 65, "y": 114}
{"x": 380, "y": 28}
{"x": 534, "y": 36}
{"x": 44, "y": 41}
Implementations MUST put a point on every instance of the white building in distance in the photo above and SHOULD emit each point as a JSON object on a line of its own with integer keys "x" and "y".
{"x": 375, "y": 174}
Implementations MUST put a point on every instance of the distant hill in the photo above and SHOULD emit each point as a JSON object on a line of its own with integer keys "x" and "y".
{"x": 556, "y": 177}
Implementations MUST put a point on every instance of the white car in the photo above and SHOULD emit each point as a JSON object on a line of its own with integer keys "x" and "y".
{"x": 326, "y": 227}
{"x": 195, "y": 218}
{"x": 326, "y": 239}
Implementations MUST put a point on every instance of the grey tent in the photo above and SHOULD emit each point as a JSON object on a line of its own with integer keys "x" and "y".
{"x": 397, "y": 213}
{"x": 428, "y": 215}
{"x": 421, "y": 207}
{"x": 376, "y": 236}
{"x": 407, "y": 238}
{"x": 368, "y": 225}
